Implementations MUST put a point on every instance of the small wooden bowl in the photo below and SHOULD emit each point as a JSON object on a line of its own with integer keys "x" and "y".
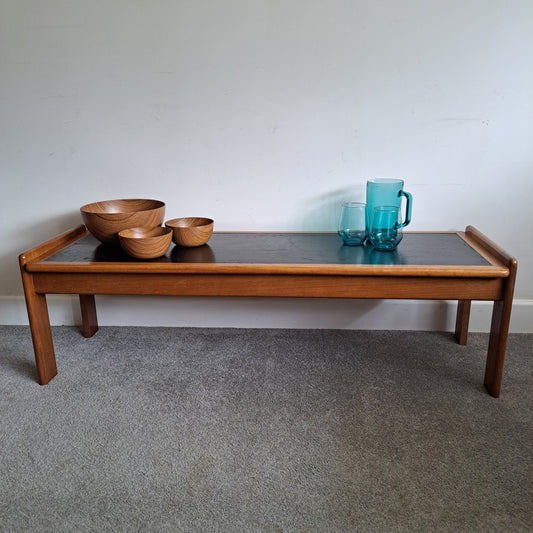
{"x": 190, "y": 231}
{"x": 105, "y": 219}
{"x": 145, "y": 243}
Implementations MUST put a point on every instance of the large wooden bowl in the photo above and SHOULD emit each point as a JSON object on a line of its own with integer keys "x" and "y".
{"x": 145, "y": 243}
{"x": 190, "y": 231}
{"x": 105, "y": 219}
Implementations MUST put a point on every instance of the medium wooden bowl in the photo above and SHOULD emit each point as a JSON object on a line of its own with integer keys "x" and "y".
{"x": 145, "y": 243}
{"x": 190, "y": 231}
{"x": 105, "y": 219}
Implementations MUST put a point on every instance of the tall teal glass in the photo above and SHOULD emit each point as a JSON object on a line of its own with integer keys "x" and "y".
{"x": 387, "y": 191}
{"x": 386, "y": 228}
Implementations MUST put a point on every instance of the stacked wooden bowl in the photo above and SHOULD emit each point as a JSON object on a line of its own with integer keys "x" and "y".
{"x": 145, "y": 243}
{"x": 190, "y": 231}
{"x": 136, "y": 225}
{"x": 105, "y": 219}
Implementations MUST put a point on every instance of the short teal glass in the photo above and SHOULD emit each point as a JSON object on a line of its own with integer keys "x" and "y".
{"x": 352, "y": 224}
{"x": 386, "y": 228}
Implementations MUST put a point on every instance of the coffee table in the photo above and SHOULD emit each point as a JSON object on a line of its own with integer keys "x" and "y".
{"x": 461, "y": 266}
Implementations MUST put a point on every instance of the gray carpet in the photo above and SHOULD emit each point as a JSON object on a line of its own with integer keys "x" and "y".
{"x": 162, "y": 429}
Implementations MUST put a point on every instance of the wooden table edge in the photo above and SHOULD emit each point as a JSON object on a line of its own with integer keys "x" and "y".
{"x": 34, "y": 260}
{"x": 451, "y": 271}
{"x": 50, "y": 247}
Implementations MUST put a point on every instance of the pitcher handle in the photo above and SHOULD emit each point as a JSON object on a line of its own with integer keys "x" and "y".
{"x": 409, "y": 201}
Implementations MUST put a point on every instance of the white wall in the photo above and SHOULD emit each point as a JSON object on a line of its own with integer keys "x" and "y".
{"x": 265, "y": 115}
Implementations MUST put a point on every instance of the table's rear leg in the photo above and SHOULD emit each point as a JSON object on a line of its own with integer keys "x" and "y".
{"x": 88, "y": 315}
{"x": 462, "y": 320}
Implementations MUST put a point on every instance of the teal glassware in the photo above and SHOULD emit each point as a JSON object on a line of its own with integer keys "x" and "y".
{"x": 353, "y": 228}
{"x": 387, "y": 191}
{"x": 386, "y": 228}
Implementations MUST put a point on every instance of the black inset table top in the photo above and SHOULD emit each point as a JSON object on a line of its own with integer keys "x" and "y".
{"x": 447, "y": 249}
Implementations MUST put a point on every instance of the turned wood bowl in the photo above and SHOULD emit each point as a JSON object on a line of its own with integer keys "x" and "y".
{"x": 190, "y": 231}
{"x": 105, "y": 219}
{"x": 145, "y": 243}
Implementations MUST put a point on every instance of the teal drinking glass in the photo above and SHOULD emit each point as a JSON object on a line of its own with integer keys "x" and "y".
{"x": 352, "y": 224}
{"x": 386, "y": 228}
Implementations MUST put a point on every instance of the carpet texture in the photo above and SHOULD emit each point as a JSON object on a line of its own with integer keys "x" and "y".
{"x": 172, "y": 429}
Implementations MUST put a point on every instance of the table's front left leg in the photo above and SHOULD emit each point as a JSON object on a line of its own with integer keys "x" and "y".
{"x": 36, "y": 306}
{"x": 41, "y": 332}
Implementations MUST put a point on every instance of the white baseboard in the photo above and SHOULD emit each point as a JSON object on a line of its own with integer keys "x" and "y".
{"x": 317, "y": 313}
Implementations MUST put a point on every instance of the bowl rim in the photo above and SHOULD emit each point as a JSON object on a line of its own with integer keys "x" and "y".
{"x": 172, "y": 222}
{"x": 163, "y": 233}
{"x": 90, "y": 208}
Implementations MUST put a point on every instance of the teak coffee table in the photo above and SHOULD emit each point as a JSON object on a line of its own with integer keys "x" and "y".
{"x": 461, "y": 266}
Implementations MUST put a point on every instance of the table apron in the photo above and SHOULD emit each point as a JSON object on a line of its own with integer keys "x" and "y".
{"x": 293, "y": 286}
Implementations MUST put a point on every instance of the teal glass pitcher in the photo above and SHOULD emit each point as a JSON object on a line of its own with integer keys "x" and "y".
{"x": 386, "y": 191}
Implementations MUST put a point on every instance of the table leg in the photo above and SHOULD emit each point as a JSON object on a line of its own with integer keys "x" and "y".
{"x": 462, "y": 320}
{"x": 501, "y": 312}
{"x": 41, "y": 332}
{"x": 499, "y": 330}
{"x": 88, "y": 315}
